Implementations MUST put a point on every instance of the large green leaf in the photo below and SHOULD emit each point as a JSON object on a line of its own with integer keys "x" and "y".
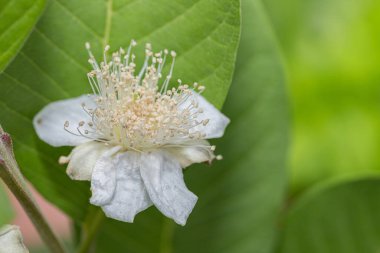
{"x": 338, "y": 217}
{"x": 239, "y": 197}
{"x": 53, "y": 65}
{"x": 17, "y": 19}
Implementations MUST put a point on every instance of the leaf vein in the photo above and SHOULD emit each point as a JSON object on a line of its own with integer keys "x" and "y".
{"x": 24, "y": 117}
{"x": 80, "y": 21}
{"x": 107, "y": 27}
{"x": 125, "y": 5}
{"x": 27, "y": 87}
{"x": 25, "y": 15}
{"x": 170, "y": 21}
{"x": 61, "y": 50}
{"x": 198, "y": 43}
{"x": 45, "y": 73}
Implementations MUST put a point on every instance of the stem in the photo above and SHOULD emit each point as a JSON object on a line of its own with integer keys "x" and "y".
{"x": 94, "y": 223}
{"x": 12, "y": 177}
{"x": 167, "y": 236}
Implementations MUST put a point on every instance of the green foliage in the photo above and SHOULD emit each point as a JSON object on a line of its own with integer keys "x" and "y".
{"x": 18, "y": 18}
{"x": 239, "y": 197}
{"x": 334, "y": 56}
{"x": 338, "y": 217}
{"x": 53, "y": 65}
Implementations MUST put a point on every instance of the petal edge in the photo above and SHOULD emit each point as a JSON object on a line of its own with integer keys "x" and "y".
{"x": 163, "y": 179}
{"x": 49, "y": 122}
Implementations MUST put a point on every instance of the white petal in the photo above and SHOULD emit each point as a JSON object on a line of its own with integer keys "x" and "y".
{"x": 103, "y": 180}
{"x": 49, "y": 122}
{"x": 130, "y": 195}
{"x": 11, "y": 240}
{"x": 83, "y": 158}
{"x": 163, "y": 179}
{"x": 217, "y": 120}
{"x": 192, "y": 152}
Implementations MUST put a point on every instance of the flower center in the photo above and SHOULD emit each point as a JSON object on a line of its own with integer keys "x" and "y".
{"x": 131, "y": 110}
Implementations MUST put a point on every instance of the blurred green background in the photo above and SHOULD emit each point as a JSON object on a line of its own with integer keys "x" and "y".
{"x": 332, "y": 53}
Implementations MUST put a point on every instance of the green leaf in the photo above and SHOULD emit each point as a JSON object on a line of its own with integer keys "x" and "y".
{"x": 240, "y": 196}
{"x": 6, "y": 210}
{"x": 17, "y": 19}
{"x": 53, "y": 65}
{"x": 335, "y": 217}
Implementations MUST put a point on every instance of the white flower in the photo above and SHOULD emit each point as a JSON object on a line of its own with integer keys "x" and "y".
{"x": 11, "y": 240}
{"x": 133, "y": 138}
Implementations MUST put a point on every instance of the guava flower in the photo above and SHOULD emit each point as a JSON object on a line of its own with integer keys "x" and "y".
{"x": 133, "y": 136}
{"x": 11, "y": 240}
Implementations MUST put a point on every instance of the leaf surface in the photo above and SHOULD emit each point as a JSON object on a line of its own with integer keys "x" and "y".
{"x": 17, "y": 19}
{"x": 337, "y": 217}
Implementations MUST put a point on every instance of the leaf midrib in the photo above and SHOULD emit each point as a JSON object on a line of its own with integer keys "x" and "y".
{"x": 108, "y": 24}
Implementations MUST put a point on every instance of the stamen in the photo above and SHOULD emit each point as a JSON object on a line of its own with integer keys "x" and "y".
{"x": 148, "y": 54}
{"x": 169, "y": 76}
{"x": 130, "y": 109}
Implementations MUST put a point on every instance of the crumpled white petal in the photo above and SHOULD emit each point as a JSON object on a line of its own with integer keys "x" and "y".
{"x": 130, "y": 195}
{"x": 11, "y": 240}
{"x": 163, "y": 179}
{"x": 82, "y": 159}
{"x": 217, "y": 120}
{"x": 192, "y": 152}
{"x": 49, "y": 122}
{"x": 103, "y": 181}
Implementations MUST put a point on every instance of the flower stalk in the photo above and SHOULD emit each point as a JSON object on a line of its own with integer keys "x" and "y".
{"x": 11, "y": 175}
{"x": 90, "y": 230}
